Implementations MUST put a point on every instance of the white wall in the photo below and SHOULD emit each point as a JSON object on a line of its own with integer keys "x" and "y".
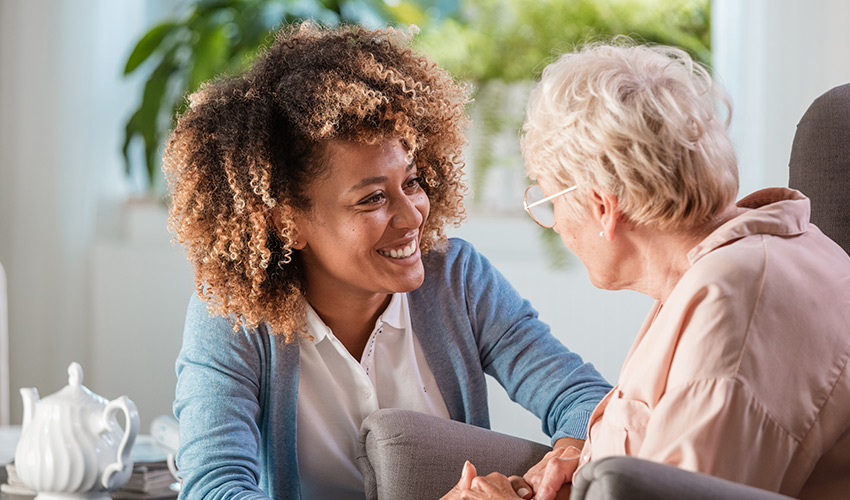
{"x": 775, "y": 57}
{"x": 63, "y": 102}
{"x": 74, "y": 274}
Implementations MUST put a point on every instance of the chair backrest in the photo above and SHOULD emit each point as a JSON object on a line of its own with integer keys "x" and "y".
{"x": 820, "y": 163}
{"x": 4, "y": 350}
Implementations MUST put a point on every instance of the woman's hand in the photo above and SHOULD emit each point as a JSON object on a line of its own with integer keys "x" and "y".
{"x": 551, "y": 474}
{"x": 491, "y": 487}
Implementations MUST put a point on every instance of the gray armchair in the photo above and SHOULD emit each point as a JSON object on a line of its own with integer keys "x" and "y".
{"x": 407, "y": 456}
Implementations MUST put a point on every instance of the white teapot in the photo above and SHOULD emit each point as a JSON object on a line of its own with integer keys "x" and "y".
{"x": 71, "y": 445}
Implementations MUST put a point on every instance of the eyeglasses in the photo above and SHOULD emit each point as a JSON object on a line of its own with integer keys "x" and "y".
{"x": 540, "y": 207}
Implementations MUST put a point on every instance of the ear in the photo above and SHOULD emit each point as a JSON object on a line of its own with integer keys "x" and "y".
{"x": 298, "y": 243}
{"x": 605, "y": 211}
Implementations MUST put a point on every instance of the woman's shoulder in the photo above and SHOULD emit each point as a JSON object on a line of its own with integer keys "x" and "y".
{"x": 452, "y": 252}
{"x": 732, "y": 270}
{"x": 208, "y": 330}
{"x": 450, "y": 248}
{"x": 199, "y": 316}
{"x": 453, "y": 261}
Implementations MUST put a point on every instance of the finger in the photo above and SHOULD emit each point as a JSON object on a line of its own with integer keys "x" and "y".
{"x": 535, "y": 474}
{"x": 521, "y": 487}
{"x": 559, "y": 471}
{"x": 466, "y": 476}
{"x": 494, "y": 486}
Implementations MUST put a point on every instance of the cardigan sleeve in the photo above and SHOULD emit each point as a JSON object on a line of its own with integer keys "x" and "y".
{"x": 519, "y": 351}
{"x": 217, "y": 406}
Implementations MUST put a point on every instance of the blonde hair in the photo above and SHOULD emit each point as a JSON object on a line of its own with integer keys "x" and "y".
{"x": 637, "y": 122}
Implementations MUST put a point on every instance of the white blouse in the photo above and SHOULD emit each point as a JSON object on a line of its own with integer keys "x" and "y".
{"x": 336, "y": 392}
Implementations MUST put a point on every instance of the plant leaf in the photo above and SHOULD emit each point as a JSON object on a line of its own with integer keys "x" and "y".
{"x": 145, "y": 121}
{"x": 210, "y": 55}
{"x": 147, "y": 45}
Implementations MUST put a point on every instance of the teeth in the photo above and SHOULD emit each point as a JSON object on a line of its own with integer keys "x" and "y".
{"x": 402, "y": 253}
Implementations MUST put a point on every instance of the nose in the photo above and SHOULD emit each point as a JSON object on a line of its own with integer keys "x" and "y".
{"x": 409, "y": 211}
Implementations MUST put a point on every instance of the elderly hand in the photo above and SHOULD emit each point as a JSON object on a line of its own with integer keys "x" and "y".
{"x": 555, "y": 471}
{"x": 494, "y": 486}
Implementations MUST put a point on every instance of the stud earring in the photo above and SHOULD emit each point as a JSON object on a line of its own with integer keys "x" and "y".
{"x": 601, "y": 234}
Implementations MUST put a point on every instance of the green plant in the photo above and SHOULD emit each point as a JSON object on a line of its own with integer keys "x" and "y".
{"x": 212, "y": 37}
{"x": 514, "y": 39}
{"x": 491, "y": 42}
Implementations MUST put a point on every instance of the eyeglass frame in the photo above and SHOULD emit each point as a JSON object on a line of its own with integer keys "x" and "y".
{"x": 542, "y": 201}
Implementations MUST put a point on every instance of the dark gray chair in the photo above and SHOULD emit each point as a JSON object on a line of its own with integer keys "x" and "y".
{"x": 820, "y": 163}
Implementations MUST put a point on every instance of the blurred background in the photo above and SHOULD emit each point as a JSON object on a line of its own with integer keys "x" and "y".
{"x": 89, "y": 88}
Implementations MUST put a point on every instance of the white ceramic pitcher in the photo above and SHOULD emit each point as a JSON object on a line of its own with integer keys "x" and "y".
{"x": 71, "y": 444}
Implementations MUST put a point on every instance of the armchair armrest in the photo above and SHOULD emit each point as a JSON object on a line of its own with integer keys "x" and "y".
{"x": 620, "y": 478}
{"x": 405, "y": 455}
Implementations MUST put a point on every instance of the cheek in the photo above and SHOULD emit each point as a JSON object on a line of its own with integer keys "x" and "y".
{"x": 423, "y": 204}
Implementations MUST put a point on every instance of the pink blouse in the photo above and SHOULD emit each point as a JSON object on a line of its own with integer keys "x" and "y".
{"x": 742, "y": 373}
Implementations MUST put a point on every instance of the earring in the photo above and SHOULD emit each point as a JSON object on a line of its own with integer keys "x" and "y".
{"x": 601, "y": 234}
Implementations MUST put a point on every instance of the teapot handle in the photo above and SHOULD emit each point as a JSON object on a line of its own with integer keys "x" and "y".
{"x": 131, "y": 421}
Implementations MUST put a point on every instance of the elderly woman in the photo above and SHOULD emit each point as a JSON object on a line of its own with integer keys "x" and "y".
{"x": 740, "y": 369}
{"x": 311, "y": 194}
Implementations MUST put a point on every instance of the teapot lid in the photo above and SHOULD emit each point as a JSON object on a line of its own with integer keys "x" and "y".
{"x": 75, "y": 393}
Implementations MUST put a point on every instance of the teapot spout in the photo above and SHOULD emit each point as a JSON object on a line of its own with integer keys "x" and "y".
{"x": 29, "y": 395}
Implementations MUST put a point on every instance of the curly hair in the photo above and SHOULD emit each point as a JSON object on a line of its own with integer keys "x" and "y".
{"x": 640, "y": 122}
{"x": 247, "y": 147}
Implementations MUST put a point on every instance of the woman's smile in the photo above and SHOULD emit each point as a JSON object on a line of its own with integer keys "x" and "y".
{"x": 399, "y": 253}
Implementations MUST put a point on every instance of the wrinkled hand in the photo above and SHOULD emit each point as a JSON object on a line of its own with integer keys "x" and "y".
{"x": 494, "y": 486}
{"x": 551, "y": 474}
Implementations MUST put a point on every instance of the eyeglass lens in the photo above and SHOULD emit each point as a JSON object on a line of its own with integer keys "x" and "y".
{"x": 543, "y": 213}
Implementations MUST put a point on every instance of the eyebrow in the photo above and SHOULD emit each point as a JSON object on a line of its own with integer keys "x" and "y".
{"x": 368, "y": 181}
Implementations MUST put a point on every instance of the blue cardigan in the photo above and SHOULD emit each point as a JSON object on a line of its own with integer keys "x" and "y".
{"x": 237, "y": 391}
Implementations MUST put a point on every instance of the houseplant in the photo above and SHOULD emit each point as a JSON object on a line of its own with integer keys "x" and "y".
{"x": 213, "y": 37}
{"x": 500, "y": 45}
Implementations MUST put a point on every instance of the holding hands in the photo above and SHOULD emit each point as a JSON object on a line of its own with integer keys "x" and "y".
{"x": 549, "y": 479}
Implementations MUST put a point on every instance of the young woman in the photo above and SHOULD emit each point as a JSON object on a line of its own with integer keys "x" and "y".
{"x": 311, "y": 194}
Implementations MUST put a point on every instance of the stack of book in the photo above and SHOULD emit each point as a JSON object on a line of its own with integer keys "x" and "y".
{"x": 149, "y": 481}
{"x": 13, "y": 487}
